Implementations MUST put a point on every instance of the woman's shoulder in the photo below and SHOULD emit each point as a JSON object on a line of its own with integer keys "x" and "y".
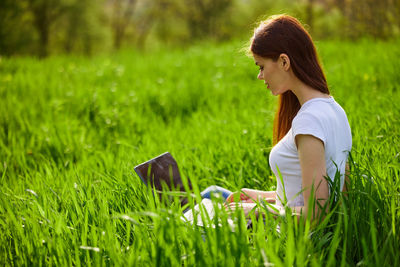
{"x": 324, "y": 115}
{"x": 321, "y": 109}
{"x": 322, "y": 118}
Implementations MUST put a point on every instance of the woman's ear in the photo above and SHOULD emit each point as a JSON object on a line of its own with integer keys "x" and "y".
{"x": 284, "y": 62}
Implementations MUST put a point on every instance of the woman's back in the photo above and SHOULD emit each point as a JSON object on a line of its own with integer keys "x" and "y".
{"x": 324, "y": 119}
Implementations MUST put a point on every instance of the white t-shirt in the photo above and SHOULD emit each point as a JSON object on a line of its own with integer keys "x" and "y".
{"x": 325, "y": 119}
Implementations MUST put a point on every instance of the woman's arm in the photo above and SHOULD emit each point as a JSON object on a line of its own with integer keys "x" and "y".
{"x": 251, "y": 195}
{"x": 247, "y": 200}
{"x": 311, "y": 153}
{"x": 257, "y": 195}
{"x": 347, "y": 178}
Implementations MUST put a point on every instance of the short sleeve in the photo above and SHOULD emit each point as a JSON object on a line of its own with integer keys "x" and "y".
{"x": 308, "y": 123}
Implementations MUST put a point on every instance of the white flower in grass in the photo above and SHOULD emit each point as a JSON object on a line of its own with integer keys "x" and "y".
{"x": 32, "y": 192}
{"x": 95, "y": 249}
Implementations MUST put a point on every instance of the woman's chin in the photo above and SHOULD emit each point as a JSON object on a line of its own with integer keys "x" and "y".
{"x": 274, "y": 93}
{"x": 277, "y": 92}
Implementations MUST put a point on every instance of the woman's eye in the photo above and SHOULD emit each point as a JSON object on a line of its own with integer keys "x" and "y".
{"x": 261, "y": 68}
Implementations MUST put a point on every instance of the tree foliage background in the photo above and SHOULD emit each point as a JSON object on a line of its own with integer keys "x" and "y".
{"x": 44, "y": 27}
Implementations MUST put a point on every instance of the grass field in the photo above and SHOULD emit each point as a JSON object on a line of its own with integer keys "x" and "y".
{"x": 73, "y": 128}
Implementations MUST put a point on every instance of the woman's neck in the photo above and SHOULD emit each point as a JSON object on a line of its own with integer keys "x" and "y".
{"x": 304, "y": 92}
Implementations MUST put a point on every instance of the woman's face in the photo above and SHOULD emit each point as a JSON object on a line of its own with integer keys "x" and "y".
{"x": 273, "y": 73}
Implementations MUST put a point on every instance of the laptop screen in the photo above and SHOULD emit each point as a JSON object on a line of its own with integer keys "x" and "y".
{"x": 160, "y": 170}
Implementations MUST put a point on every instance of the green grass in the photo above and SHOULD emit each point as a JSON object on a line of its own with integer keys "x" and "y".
{"x": 73, "y": 128}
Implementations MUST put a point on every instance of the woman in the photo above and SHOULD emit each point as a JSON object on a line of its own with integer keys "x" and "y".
{"x": 311, "y": 133}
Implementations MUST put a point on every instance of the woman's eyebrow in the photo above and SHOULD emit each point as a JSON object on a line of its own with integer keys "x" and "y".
{"x": 256, "y": 63}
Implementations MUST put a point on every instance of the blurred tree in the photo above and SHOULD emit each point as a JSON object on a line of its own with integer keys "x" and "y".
{"x": 309, "y": 14}
{"x": 41, "y": 26}
{"x": 83, "y": 27}
{"x": 45, "y": 14}
{"x": 15, "y": 28}
{"x": 147, "y": 14}
{"x": 396, "y": 14}
{"x": 341, "y": 4}
{"x": 203, "y": 16}
{"x": 122, "y": 15}
{"x": 169, "y": 20}
{"x": 369, "y": 17}
{"x": 144, "y": 22}
{"x": 75, "y": 22}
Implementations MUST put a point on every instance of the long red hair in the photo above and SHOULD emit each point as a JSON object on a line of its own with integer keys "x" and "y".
{"x": 285, "y": 34}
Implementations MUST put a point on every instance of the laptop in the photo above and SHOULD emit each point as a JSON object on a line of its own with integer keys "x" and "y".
{"x": 162, "y": 174}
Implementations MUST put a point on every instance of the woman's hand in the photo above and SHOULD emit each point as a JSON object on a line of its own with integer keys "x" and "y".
{"x": 250, "y": 196}
{"x": 233, "y": 206}
{"x": 239, "y": 196}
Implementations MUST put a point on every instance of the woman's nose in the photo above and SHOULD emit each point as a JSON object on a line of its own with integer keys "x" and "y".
{"x": 260, "y": 76}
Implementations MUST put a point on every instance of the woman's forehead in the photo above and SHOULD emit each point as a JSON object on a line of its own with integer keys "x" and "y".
{"x": 258, "y": 59}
